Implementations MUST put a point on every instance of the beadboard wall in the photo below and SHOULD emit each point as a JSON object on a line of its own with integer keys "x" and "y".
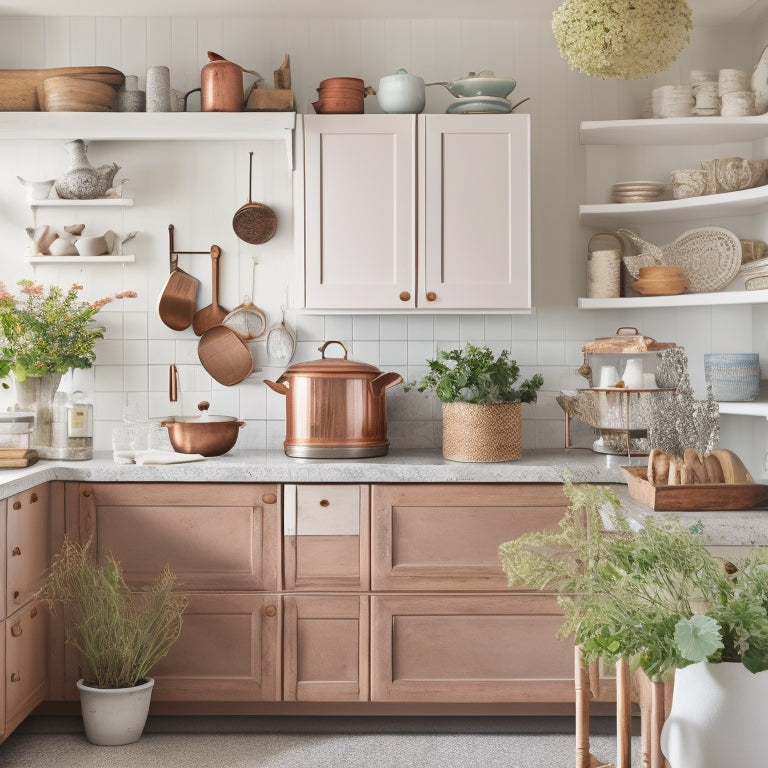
{"x": 198, "y": 186}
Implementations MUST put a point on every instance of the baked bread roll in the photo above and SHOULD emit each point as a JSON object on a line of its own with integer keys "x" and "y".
{"x": 658, "y": 467}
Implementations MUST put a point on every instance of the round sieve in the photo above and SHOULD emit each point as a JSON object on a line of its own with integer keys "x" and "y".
{"x": 281, "y": 343}
{"x": 254, "y": 223}
{"x": 247, "y": 319}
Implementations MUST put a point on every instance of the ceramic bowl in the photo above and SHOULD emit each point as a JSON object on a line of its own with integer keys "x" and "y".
{"x": 37, "y": 190}
{"x": 92, "y": 246}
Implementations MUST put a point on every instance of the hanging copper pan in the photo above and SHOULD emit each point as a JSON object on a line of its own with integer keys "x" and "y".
{"x": 225, "y": 355}
{"x": 254, "y": 223}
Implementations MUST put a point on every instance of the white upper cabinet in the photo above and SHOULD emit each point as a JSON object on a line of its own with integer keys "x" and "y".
{"x": 427, "y": 213}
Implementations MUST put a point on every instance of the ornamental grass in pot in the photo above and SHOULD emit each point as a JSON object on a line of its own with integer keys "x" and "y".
{"x": 655, "y": 596}
{"x": 120, "y": 633}
{"x": 481, "y": 402}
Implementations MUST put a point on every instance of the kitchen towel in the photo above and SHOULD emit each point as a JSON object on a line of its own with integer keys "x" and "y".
{"x": 155, "y": 457}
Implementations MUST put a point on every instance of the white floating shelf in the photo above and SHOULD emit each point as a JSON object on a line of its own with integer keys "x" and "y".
{"x": 55, "y": 202}
{"x": 681, "y": 300}
{"x": 752, "y": 408}
{"x": 674, "y": 130}
{"x": 127, "y": 259}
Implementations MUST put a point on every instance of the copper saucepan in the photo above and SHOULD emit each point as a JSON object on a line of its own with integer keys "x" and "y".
{"x": 204, "y": 434}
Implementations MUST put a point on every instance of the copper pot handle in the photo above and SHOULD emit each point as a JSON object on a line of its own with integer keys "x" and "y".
{"x": 383, "y": 381}
{"x": 322, "y": 349}
{"x": 277, "y": 386}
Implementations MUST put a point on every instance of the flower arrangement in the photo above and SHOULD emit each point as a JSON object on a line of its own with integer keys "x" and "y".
{"x": 51, "y": 332}
{"x": 623, "y": 39}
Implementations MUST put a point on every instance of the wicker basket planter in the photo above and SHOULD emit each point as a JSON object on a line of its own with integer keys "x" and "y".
{"x": 473, "y": 432}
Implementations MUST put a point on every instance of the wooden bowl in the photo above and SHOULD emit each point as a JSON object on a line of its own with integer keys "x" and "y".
{"x": 77, "y": 94}
{"x": 661, "y": 272}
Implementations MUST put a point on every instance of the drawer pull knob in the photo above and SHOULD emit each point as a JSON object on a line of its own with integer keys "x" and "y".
{"x": 269, "y": 498}
{"x": 33, "y": 498}
{"x": 431, "y": 296}
{"x": 325, "y": 503}
{"x": 33, "y": 613}
{"x": 16, "y": 630}
{"x": 15, "y": 552}
{"x": 270, "y": 611}
{"x": 17, "y": 505}
{"x": 16, "y": 594}
{"x": 15, "y": 677}
{"x": 405, "y": 296}
{"x": 86, "y": 494}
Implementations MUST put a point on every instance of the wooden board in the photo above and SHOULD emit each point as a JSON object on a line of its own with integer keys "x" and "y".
{"x": 691, "y": 498}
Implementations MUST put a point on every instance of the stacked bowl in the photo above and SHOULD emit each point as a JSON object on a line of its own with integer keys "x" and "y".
{"x": 341, "y": 95}
{"x": 661, "y": 280}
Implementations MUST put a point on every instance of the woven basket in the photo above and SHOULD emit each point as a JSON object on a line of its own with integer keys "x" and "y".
{"x": 735, "y": 377}
{"x": 473, "y": 432}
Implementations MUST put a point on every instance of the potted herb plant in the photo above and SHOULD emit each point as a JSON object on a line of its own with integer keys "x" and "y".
{"x": 120, "y": 632}
{"x": 481, "y": 402}
{"x": 657, "y": 597}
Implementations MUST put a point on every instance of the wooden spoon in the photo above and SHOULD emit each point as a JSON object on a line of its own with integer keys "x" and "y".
{"x": 213, "y": 314}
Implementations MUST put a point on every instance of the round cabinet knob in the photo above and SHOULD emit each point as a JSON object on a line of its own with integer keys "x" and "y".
{"x": 405, "y": 296}
{"x": 270, "y": 611}
{"x": 15, "y": 677}
{"x": 17, "y": 505}
{"x": 15, "y": 552}
{"x": 431, "y": 295}
{"x": 269, "y": 498}
{"x": 16, "y": 630}
{"x": 325, "y": 503}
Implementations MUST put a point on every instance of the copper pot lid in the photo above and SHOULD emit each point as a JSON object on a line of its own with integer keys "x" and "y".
{"x": 626, "y": 339}
{"x": 332, "y": 365}
{"x": 202, "y": 418}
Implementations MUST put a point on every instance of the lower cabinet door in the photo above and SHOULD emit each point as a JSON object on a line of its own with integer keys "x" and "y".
{"x": 228, "y": 651}
{"x": 326, "y": 648}
{"x": 26, "y": 663}
{"x": 469, "y": 648}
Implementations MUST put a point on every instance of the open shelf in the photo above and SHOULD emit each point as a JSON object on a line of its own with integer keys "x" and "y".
{"x": 681, "y": 300}
{"x": 126, "y": 259}
{"x": 55, "y": 202}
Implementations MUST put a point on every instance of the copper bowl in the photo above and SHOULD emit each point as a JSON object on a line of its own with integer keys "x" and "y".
{"x": 205, "y": 434}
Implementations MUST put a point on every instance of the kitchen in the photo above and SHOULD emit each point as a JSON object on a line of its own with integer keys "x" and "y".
{"x": 197, "y": 186}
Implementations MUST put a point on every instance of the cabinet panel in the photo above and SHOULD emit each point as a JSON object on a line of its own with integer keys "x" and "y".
{"x": 326, "y": 648}
{"x": 440, "y": 537}
{"x": 26, "y": 663}
{"x": 475, "y": 200}
{"x": 213, "y": 536}
{"x": 469, "y": 649}
{"x": 360, "y": 228}
{"x": 326, "y": 537}
{"x": 28, "y": 537}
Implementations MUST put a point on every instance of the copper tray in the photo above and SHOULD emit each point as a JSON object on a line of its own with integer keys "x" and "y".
{"x": 692, "y": 498}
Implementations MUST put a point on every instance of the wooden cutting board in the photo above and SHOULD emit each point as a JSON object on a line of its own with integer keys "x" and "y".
{"x": 692, "y": 498}
{"x": 18, "y": 87}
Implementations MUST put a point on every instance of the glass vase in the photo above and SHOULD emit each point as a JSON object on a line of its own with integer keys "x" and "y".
{"x": 36, "y": 394}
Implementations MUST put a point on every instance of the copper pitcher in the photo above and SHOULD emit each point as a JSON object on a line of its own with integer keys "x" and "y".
{"x": 221, "y": 85}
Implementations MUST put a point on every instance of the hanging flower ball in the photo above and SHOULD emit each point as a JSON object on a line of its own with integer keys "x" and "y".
{"x": 621, "y": 39}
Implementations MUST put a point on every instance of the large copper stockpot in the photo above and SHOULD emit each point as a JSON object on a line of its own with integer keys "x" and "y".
{"x": 335, "y": 407}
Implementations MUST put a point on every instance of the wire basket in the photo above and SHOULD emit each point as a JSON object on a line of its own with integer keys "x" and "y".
{"x": 735, "y": 377}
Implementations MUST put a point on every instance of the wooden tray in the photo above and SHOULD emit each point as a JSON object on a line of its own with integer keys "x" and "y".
{"x": 691, "y": 498}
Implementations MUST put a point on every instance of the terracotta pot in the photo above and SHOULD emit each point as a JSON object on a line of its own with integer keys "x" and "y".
{"x": 335, "y": 407}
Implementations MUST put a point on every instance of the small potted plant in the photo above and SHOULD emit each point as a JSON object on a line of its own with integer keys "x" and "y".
{"x": 120, "y": 632}
{"x": 481, "y": 402}
{"x": 658, "y": 598}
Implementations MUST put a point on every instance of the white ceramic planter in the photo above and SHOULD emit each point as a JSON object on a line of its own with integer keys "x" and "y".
{"x": 114, "y": 716}
{"x": 717, "y": 718}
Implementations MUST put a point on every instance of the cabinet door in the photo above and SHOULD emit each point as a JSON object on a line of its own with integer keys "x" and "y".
{"x": 326, "y": 537}
{"x": 326, "y": 648}
{"x": 479, "y": 648}
{"x": 26, "y": 663}
{"x": 214, "y": 536}
{"x": 474, "y": 238}
{"x": 28, "y": 537}
{"x": 228, "y": 650}
{"x": 360, "y": 221}
{"x": 446, "y": 537}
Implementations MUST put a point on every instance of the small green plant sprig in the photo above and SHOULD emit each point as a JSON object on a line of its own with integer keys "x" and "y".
{"x": 476, "y": 375}
{"x": 120, "y": 632}
{"x": 655, "y": 596}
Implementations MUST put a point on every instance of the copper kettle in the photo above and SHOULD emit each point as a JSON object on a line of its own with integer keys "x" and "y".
{"x": 221, "y": 85}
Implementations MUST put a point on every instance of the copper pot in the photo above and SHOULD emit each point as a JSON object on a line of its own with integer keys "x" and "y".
{"x": 205, "y": 434}
{"x": 335, "y": 407}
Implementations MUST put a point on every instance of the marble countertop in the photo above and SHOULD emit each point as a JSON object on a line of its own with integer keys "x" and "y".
{"x": 245, "y": 466}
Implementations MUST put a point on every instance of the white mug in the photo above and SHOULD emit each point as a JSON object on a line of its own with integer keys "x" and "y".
{"x": 609, "y": 375}
{"x": 633, "y": 373}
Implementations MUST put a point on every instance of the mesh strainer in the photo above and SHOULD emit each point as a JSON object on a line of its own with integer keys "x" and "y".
{"x": 281, "y": 343}
{"x": 247, "y": 319}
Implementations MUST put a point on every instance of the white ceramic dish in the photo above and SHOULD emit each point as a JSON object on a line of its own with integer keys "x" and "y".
{"x": 479, "y": 104}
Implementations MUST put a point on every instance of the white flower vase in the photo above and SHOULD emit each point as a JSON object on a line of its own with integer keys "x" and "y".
{"x": 114, "y": 716}
{"x": 717, "y": 717}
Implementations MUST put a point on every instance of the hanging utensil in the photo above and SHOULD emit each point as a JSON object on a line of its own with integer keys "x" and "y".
{"x": 213, "y": 314}
{"x": 254, "y": 223}
{"x": 281, "y": 343}
{"x": 247, "y": 319}
{"x": 225, "y": 355}
{"x": 176, "y": 305}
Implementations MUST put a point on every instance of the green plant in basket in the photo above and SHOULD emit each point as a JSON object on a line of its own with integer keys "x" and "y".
{"x": 476, "y": 375}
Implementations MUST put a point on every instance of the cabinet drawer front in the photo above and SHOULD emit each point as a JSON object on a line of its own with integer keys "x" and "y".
{"x": 26, "y": 662}
{"x": 447, "y": 537}
{"x": 476, "y": 648}
{"x": 326, "y": 648}
{"x": 326, "y": 537}
{"x": 228, "y": 650}
{"x": 28, "y": 535}
{"x": 215, "y": 536}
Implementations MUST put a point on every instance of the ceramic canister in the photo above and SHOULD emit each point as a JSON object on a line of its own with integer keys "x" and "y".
{"x": 401, "y": 93}
{"x": 158, "y": 89}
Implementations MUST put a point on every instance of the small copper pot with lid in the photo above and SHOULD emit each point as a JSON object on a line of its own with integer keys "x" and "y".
{"x": 335, "y": 407}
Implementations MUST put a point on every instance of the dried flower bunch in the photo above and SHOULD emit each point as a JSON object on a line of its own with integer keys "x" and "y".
{"x": 622, "y": 39}
{"x": 49, "y": 332}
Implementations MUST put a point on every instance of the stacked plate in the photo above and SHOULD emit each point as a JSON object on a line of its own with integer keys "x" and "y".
{"x": 638, "y": 192}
